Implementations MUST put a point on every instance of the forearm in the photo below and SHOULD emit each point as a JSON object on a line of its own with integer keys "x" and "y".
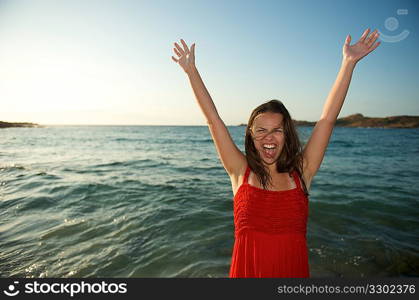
{"x": 202, "y": 96}
{"x": 337, "y": 94}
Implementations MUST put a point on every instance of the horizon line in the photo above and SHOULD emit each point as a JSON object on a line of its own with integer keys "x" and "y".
{"x": 238, "y": 124}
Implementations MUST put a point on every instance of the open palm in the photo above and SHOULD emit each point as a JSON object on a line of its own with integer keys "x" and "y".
{"x": 186, "y": 57}
{"x": 365, "y": 45}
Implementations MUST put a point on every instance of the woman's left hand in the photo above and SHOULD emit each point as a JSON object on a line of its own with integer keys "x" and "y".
{"x": 366, "y": 44}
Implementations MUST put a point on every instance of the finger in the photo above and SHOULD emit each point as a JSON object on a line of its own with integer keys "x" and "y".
{"x": 185, "y": 46}
{"x": 370, "y": 37}
{"x": 364, "y": 35}
{"x": 177, "y": 52}
{"x": 179, "y": 49}
{"x": 374, "y": 47}
{"x": 193, "y": 50}
{"x": 373, "y": 38}
{"x": 348, "y": 40}
{"x": 174, "y": 59}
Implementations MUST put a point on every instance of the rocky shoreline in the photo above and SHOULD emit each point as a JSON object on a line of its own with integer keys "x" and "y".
{"x": 26, "y": 125}
{"x": 358, "y": 120}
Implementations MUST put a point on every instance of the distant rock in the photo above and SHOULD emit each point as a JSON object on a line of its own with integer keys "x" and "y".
{"x": 304, "y": 123}
{"x": 8, "y": 125}
{"x": 358, "y": 120}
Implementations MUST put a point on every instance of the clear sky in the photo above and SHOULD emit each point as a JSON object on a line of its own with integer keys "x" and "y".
{"x": 108, "y": 62}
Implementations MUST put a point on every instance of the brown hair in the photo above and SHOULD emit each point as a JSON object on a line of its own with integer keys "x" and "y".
{"x": 291, "y": 157}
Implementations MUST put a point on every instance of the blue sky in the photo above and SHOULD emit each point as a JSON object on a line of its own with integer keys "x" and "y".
{"x": 108, "y": 62}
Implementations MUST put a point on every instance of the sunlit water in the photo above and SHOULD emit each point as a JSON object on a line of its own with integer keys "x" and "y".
{"x": 154, "y": 201}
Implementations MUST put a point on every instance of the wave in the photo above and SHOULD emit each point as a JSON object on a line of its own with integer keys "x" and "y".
{"x": 122, "y": 163}
{"x": 343, "y": 144}
{"x": 137, "y": 140}
{"x": 197, "y": 170}
{"x": 202, "y": 141}
{"x": 114, "y": 165}
{"x": 12, "y": 167}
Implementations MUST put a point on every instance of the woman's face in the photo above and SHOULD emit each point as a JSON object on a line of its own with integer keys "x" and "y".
{"x": 268, "y": 136}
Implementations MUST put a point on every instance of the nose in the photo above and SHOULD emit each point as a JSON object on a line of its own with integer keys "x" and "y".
{"x": 269, "y": 136}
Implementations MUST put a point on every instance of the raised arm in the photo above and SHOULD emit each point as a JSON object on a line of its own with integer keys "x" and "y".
{"x": 316, "y": 146}
{"x": 231, "y": 157}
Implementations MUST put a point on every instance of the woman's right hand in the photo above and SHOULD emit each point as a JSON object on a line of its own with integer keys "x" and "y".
{"x": 186, "y": 58}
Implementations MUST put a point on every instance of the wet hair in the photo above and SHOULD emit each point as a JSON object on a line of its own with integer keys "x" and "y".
{"x": 291, "y": 157}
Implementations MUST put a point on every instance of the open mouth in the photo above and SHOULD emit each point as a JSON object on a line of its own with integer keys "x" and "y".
{"x": 269, "y": 150}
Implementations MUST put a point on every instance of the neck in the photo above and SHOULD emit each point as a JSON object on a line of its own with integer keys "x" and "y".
{"x": 271, "y": 169}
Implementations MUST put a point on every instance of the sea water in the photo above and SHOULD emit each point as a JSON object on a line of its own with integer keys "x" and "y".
{"x": 155, "y": 201}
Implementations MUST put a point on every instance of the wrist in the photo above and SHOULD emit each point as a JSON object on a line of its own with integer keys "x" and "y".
{"x": 191, "y": 70}
{"x": 346, "y": 62}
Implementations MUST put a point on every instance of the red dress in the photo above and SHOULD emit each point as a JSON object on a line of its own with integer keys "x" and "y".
{"x": 270, "y": 232}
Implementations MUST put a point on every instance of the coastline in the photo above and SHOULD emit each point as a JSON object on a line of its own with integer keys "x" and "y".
{"x": 18, "y": 124}
{"x": 360, "y": 121}
{"x": 355, "y": 121}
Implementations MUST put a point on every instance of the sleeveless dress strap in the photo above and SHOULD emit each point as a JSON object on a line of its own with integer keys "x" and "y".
{"x": 246, "y": 174}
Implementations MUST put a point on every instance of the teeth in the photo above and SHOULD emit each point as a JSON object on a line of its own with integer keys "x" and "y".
{"x": 269, "y": 146}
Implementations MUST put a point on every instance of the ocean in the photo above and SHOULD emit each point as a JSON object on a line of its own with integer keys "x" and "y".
{"x": 155, "y": 201}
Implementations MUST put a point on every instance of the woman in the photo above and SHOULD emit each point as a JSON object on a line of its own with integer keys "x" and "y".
{"x": 271, "y": 181}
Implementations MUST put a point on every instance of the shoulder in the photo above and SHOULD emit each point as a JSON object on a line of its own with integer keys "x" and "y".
{"x": 239, "y": 173}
